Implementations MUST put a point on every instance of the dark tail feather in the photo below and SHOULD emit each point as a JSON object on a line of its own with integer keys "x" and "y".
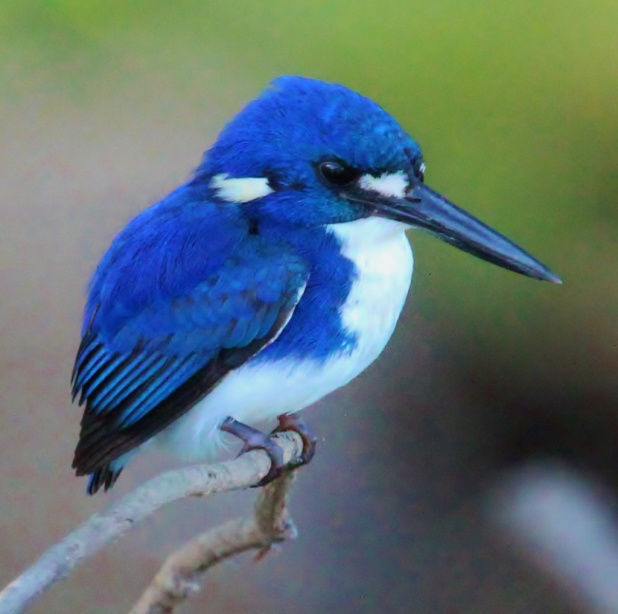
{"x": 105, "y": 476}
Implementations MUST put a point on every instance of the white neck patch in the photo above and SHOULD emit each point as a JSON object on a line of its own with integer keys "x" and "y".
{"x": 387, "y": 184}
{"x": 241, "y": 189}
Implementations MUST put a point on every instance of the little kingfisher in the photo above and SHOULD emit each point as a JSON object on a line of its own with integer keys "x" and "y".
{"x": 275, "y": 275}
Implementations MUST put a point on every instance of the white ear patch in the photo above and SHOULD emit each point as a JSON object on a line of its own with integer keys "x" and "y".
{"x": 241, "y": 189}
{"x": 387, "y": 184}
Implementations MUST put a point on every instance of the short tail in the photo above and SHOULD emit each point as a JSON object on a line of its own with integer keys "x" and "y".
{"x": 105, "y": 476}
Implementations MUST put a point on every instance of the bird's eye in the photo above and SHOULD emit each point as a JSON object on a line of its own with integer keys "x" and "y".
{"x": 336, "y": 173}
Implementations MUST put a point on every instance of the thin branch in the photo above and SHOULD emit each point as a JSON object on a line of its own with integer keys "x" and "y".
{"x": 179, "y": 576}
{"x": 104, "y": 527}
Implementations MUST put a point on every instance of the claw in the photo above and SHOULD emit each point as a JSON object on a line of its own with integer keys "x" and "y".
{"x": 256, "y": 440}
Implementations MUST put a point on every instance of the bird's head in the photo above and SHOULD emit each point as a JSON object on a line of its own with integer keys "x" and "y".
{"x": 309, "y": 153}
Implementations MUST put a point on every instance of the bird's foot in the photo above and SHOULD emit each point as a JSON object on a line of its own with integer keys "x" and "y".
{"x": 293, "y": 422}
{"x": 256, "y": 440}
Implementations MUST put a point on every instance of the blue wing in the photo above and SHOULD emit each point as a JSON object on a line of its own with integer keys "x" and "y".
{"x": 181, "y": 298}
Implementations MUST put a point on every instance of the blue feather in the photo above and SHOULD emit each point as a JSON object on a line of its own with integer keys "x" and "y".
{"x": 179, "y": 326}
{"x": 126, "y": 381}
{"x": 101, "y": 374}
{"x": 91, "y": 368}
{"x": 169, "y": 380}
{"x": 161, "y": 375}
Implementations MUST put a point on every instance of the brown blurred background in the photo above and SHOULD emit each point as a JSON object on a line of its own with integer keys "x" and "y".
{"x": 462, "y": 472}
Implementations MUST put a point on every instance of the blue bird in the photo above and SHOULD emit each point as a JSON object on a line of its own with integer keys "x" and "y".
{"x": 275, "y": 275}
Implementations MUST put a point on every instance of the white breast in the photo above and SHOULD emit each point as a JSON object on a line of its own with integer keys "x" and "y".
{"x": 254, "y": 393}
{"x": 383, "y": 259}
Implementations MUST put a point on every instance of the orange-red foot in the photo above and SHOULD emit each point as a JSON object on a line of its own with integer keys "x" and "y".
{"x": 256, "y": 440}
{"x": 293, "y": 422}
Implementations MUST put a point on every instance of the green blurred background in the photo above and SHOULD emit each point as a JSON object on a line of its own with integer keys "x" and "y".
{"x": 106, "y": 106}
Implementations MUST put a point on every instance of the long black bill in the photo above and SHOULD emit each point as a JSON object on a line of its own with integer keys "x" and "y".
{"x": 424, "y": 208}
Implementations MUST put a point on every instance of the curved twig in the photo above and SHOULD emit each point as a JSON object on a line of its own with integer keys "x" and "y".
{"x": 180, "y": 574}
{"x": 104, "y": 527}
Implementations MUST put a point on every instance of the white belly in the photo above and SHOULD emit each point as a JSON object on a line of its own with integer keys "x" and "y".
{"x": 254, "y": 393}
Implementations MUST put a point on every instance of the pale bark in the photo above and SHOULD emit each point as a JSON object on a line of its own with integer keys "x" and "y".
{"x": 179, "y": 576}
{"x": 104, "y": 527}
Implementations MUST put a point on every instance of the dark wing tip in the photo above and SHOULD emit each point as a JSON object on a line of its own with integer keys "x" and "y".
{"x": 103, "y": 477}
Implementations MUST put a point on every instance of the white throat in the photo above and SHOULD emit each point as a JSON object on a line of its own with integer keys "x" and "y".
{"x": 382, "y": 257}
